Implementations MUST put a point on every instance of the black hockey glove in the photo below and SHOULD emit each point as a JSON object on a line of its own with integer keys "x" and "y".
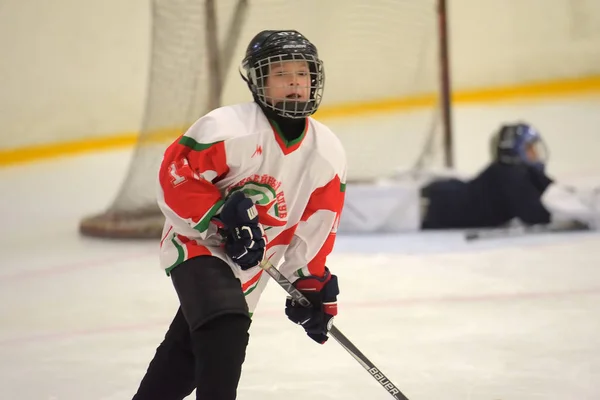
{"x": 322, "y": 293}
{"x": 245, "y": 242}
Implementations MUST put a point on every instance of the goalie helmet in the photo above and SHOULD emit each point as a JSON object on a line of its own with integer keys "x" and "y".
{"x": 519, "y": 144}
{"x": 269, "y": 48}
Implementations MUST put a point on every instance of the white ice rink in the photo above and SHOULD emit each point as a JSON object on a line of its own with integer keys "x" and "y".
{"x": 512, "y": 319}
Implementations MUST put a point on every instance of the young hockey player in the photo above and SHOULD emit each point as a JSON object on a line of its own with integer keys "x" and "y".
{"x": 514, "y": 186}
{"x": 247, "y": 182}
{"x": 510, "y": 187}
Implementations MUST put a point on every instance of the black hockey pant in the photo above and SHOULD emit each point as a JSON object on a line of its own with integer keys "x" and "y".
{"x": 205, "y": 346}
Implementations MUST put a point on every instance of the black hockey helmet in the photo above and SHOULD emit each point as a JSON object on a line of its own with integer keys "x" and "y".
{"x": 273, "y": 47}
{"x": 519, "y": 143}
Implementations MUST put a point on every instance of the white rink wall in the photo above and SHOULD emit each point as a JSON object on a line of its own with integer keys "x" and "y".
{"x": 381, "y": 144}
{"x": 71, "y": 69}
{"x": 76, "y": 69}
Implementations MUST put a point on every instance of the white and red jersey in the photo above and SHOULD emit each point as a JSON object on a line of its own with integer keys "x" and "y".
{"x": 298, "y": 188}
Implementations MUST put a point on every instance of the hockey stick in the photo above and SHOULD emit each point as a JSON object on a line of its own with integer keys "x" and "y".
{"x": 335, "y": 333}
{"x": 515, "y": 231}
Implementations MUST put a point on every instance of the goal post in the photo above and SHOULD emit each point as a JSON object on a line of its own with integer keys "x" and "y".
{"x": 381, "y": 54}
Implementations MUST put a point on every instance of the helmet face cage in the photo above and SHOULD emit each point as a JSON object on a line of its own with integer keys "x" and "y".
{"x": 520, "y": 144}
{"x": 535, "y": 152}
{"x": 300, "y": 88}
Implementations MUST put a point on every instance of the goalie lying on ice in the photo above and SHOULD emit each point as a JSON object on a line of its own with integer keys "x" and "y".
{"x": 513, "y": 186}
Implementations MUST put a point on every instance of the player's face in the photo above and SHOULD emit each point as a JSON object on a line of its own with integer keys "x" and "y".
{"x": 535, "y": 151}
{"x": 531, "y": 152}
{"x": 288, "y": 80}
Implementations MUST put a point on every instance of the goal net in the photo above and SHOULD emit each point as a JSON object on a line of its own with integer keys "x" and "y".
{"x": 381, "y": 92}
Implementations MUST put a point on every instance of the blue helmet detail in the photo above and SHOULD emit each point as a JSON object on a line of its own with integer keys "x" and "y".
{"x": 519, "y": 144}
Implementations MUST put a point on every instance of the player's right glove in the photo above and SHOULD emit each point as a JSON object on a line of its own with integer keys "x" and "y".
{"x": 322, "y": 294}
{"x": 245, "y": 242}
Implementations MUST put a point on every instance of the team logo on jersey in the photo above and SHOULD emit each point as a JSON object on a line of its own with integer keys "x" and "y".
{"x": 269, "y": 200}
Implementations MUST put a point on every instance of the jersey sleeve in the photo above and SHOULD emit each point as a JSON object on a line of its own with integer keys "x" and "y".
{"x": 190, "y": 166}
{"x": 524, "y": 196}
{"x": 315, "y": 234}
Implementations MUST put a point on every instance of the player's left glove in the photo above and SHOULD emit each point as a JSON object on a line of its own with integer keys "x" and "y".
{"x": 322, "y": 293}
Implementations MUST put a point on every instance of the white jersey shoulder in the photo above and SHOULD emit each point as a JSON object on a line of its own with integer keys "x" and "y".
{"x": 329, "y": 147}
{"x": 226, "y": 123}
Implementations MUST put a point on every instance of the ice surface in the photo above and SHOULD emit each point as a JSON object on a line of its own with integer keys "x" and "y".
{"x": 443, "y": 319}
